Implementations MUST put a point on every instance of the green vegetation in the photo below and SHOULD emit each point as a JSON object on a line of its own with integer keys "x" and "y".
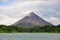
{"x": 36, "y": 29}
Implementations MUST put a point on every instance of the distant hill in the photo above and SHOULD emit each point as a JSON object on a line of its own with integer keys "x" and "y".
{"x": 32, "y": 20}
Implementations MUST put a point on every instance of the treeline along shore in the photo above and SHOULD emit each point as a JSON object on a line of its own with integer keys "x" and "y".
{"x": 35, "y": 29}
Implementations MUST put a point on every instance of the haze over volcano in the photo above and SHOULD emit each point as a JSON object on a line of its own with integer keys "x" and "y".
{"x": 32, "y": 20}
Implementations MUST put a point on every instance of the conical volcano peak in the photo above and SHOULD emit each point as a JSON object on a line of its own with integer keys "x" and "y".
{"x": 32, "y": 20}
{"x": 31, "y": 14}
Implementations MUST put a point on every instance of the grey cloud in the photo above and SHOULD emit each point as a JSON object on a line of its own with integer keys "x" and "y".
{"x": 45, "y": 9}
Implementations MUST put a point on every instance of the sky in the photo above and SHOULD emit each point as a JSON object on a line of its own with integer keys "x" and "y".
{"x": 13, "y": 10}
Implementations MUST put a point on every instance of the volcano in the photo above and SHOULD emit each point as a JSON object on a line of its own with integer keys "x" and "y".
{"x": 32, "y": 20}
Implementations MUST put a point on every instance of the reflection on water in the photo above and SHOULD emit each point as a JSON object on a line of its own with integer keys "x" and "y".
{"x": 30, "y": 36}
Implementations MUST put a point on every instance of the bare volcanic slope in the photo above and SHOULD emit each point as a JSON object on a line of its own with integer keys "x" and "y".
{"x": 32, "y": 20}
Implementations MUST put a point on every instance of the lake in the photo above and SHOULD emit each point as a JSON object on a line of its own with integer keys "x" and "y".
{"x": 29, "y": 36}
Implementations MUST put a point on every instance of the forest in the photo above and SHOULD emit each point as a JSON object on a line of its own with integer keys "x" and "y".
{"x": 35, "y": 29}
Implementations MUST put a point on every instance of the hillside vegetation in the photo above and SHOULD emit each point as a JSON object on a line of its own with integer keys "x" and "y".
{"x": 36, "y": 29}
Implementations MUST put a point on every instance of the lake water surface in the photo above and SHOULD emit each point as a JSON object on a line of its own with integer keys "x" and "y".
{"x": 29, "y": 36}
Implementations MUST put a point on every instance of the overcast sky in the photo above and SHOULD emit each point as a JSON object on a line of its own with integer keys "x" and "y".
{"x": 13, "y": 10}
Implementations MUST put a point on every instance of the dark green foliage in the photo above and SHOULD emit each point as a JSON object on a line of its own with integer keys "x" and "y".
{"x": 36, "y": 29}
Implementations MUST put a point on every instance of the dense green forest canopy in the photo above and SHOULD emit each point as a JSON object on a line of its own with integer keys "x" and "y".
{"x": 37, "y": 29}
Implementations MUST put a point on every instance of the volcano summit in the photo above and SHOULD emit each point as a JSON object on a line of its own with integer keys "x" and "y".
{"x": 32, "y": 20}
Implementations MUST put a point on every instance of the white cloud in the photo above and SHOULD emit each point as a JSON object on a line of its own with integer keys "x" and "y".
{"x": 8, "y": 20}
{"x": 54, "y": 20}
{"x": 18, "y": 9}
